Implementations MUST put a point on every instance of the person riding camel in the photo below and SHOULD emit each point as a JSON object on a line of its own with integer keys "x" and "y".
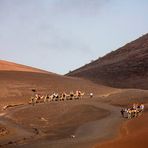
{"x": 46, "y": 98}
{"x": 71, "y": 95}
{"x": 79, "y": 94}
{"x": 142, "y": 107}
{"x": 129, "y": 113}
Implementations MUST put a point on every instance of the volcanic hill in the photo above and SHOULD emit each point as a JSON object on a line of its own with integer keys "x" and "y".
{"x": 18, "y": 81}
{"x": 126, "y": 67}
{"x": 10, "y": 66}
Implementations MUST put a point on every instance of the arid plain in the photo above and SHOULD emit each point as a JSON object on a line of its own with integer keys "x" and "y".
{"x": 77, "y": 123}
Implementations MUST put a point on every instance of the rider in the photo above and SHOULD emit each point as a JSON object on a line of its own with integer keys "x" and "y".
{"x": 142, "y": 107}
{"x": 91, "y": 95}
{"x": 122, "y": 112}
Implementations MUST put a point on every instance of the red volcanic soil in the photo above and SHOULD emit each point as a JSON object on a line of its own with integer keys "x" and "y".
{"x": 126, "y": 67}
{"x": 3, "y": 130}
{"x": 16, "y": 86}
{"x": 55, "y": 120}
{"x": 91, "y": 120}
{"x": 58, "y": 120}
{"x": 126, "y": 97}
{"x": 52, "y": 124}
{"x": 134, "y": 134}
{"x": 10, "y": 66}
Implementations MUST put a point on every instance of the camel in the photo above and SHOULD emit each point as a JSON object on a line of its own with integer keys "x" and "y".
{"x": 36, "y": 99}
{"x": 39, "y": 98}
{"x": 63, "y": 96}
{"x": 33, "y": 100}
{"x": 135, "y": 111}
{"x": 55, "y": 97}
{"x": 68, "y": 97}
{"x": 73, "y": 95}
{"x": 47, "y": 98}
{"x": 132, "y": 113}
{"x": 79, "y": 94}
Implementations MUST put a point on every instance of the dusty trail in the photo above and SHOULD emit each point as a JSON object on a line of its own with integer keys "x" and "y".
{"x": 17, "y": 134}
{"x": 85, "y": 135}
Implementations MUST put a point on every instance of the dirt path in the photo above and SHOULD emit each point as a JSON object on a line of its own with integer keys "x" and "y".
{"x": 16, "y": 133}
{"x": 85, "y": 135}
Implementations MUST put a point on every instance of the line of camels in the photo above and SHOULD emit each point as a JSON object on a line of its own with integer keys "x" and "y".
{"x": 135, "y": 111}
{"x": 55, "y": 97}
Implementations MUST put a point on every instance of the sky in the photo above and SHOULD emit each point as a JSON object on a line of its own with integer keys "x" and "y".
{"x": 63, "y": 35}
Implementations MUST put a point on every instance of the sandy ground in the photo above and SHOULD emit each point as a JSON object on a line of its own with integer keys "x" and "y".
{"x": 126, "y": 97}
{"x": 100, "y": 124}
{"x": 90, "y": 120}
{"x": 16, "y": 87}
{"x": 94, "y": 122}
{"x": 133, "y": 134}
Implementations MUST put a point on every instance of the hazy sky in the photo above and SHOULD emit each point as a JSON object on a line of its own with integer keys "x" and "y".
{"x": 62, "y": 35}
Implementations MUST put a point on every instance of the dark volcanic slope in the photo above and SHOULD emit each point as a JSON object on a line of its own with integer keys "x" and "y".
{"x": 126, "y": 67}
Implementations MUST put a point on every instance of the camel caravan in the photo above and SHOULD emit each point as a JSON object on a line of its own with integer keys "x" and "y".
{"x": 132, "y": 112}
{"x": 56, "y": 97}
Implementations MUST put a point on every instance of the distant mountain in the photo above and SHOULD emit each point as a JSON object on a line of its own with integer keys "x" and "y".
{"x": 126, "y": 67}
